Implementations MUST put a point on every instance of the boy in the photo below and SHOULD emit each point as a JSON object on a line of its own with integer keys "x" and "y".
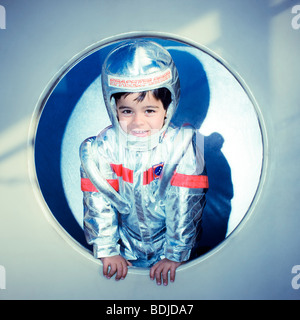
{"x": 143, "y": 179}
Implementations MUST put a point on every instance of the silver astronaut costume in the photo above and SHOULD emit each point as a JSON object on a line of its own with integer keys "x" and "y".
{"x": 143, "y": 196}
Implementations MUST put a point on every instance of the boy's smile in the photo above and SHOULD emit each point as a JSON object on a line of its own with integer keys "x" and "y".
{"x": 140, "y": 118}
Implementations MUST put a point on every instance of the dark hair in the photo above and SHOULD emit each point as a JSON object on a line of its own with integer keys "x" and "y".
{"x": 162, "y": 94}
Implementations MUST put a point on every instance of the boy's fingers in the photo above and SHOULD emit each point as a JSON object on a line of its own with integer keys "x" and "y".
{"x": 158, "y": 278}
{"x": 157, "y": 274}
{"x": 172, "y": 274}
{"x": 112, "y": 271}
{"x": 120, "y": 270}
{"x": 125, "y": 269}
{"x": 125, "y": 265}
{"x": 172, "y": 269}
{"x": 129, "y": 263}
{"x": 160, "y": 271}
{"x": 105, "y": 268}
{"x": 153, "y": 271}
{"x": 165, "y": 273}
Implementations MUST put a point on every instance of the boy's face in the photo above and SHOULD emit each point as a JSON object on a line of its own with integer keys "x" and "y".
{"x": 140, "y": 118}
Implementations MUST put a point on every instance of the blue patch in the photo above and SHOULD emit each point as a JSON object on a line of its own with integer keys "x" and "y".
{"x": 157, "y": 170}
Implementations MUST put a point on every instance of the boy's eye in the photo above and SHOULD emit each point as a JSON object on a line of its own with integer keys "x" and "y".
{"x": 150, "y": 111}
{"x": 126, "y": 111}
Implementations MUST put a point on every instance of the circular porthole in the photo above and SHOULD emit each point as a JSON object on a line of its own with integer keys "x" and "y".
{"x": 213, "y": 99}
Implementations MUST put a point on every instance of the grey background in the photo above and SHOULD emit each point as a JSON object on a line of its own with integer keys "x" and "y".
{"x": 256, "y": 39}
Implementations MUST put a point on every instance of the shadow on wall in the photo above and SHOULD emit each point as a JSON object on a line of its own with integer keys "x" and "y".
{"x": 193, "y": 107}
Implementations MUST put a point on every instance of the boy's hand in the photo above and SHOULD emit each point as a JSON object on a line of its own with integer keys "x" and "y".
{"x": 161, "y": 268}
{"x": 117, "y": 265}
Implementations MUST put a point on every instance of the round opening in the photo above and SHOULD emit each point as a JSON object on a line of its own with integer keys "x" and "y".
{"x": 213, "y": 99}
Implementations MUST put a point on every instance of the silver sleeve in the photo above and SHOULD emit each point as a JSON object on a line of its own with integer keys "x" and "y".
{"x": 184, "y": 207}
{"x": 100, "y": 211}
{"x": 100, "y": 223}
{"x": 183, "y": 219}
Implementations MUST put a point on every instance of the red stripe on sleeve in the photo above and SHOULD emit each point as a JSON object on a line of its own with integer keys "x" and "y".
{"x": 125, "y": 173}
{"x": 87, "y": 185}
{"x": 114, "y": 183}
{"x": 189, "y": 181}
{"x": 117, "y": 168}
